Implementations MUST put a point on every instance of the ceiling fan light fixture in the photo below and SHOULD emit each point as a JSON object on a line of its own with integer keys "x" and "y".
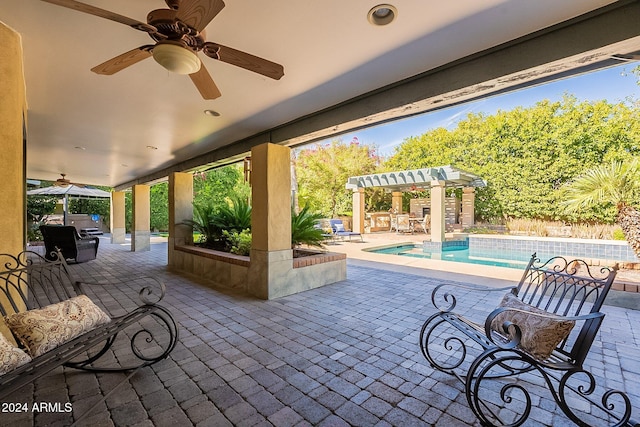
{"x": 382, "y": 14}
{"x": 176, "y": 59}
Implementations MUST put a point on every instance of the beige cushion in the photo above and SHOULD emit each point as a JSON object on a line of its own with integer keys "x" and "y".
{"x": 540, "y": 336}
{"x": 11, "y": 357}
{"x": 44, "y": 329}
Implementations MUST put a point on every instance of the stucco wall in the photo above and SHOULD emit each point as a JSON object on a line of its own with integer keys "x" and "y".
{"x": 227, "y": 271}
{"x": 12, "y": 110}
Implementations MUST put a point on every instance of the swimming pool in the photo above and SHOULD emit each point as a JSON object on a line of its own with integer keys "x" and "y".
{"x": 493, "y": 258}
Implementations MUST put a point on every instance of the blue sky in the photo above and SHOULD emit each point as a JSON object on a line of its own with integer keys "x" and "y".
{"x": 613, "y": 84}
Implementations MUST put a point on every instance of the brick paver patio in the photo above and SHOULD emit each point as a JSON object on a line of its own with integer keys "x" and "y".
{"x": 344, "y": 354}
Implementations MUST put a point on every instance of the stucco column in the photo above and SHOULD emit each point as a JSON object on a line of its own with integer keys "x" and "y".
{"x": 117, "y": 225}
{"x": 140, "y": 227}
{"x": 180, "y": 209}
{"x": 271, "y": 254}
{"x": 358, "y": 210}
{"x": 396, "y": 201}
{"x": 12, "y": 155}
{"x": 468, "y": 206}
{"x": 437, "y": 211}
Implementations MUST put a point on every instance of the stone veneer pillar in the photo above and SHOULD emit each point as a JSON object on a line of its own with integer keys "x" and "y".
{"x": 396, "y": 202}
{"x": 437, "y": 211}
{"x": 358, "y": 210}
{"x": 271, "y": 256}
{"x": 180, "y": 209}
{"x": 13, "y": 109}
{"x": 140, "y": 227}
{"x": 117, "y": 226}
{"x": 468, "y": 207}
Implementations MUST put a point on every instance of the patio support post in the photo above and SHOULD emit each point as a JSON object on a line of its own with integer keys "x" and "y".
{"x": 117, "y": 225}
{"x": 12, "y": 156}
{"x": 396, "y": 202}
{"x": 468, "y": 207}
{"x": 437, "y": 211}
{"x": 271, "y": 266}
{"x": 140, "y": 232}
{"x": 180, "y": 209}
{"x": 358, "y": 210}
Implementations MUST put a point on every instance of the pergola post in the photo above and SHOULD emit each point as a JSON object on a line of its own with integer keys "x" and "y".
{"x": 117, "y": 225}
{"x": 396, "y": 202}
{"x": 438, "y": 211}
{"x": 468, "y": 207}
{"x": 358, "y": 210}
{"x": 140, "y": 230}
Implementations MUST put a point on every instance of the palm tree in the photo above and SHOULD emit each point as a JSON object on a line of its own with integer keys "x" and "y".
{"x": 304, "y": 230}
{"x": 617, "y": 183}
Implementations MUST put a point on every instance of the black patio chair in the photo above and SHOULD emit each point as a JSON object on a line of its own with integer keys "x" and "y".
{"x": 71, "y": 244}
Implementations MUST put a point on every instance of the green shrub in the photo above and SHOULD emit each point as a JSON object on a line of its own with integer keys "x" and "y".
{"x": 33, "y": 232}
{"x": 479, "y": 230}
{"x": 240, "y": 243}
{"x": 618, "y": 234}
{"x": 203, "y": 224}
{"x": 233, "y": 217}
{"x": 303, "y": 230}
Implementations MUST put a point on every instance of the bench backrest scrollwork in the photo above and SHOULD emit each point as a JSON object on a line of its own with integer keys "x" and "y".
{"x": 29, "y": 281}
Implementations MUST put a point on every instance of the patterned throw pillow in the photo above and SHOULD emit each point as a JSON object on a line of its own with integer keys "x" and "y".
{"x": 540, "y": 335}
{"x": 46, "y": 328}
{"x": 11, "y": 357}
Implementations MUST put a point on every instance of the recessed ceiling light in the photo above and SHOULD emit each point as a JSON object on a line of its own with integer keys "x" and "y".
{"x": 382, "y": 14}
{"x": 151, "y": 147}
{"x": 212, "y": 113}
{"x": 79, "y": 148}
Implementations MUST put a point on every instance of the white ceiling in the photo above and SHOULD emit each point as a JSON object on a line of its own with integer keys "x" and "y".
{"x": 329, "y": 51}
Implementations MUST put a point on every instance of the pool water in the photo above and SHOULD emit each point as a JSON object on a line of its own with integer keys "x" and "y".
{"x": 509, "y": 260}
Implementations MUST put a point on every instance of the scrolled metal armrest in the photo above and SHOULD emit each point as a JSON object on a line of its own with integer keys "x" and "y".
{"x": 516, "y": 330}
{"x": 450, "y": 299}
{"x": 148, "y": 294}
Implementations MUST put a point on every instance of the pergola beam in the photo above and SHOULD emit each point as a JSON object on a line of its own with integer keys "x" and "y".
{"x": 403, "y": 180}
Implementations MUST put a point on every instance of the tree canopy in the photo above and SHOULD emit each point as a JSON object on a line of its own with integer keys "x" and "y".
{"x": 528, "y": 154}
{"x": 322, "y": 173}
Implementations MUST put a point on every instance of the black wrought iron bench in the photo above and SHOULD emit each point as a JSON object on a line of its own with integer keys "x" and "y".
{"x": 137, "y": 335}
{"x": 539, "y": 336}
{"x": 71, "y": 244}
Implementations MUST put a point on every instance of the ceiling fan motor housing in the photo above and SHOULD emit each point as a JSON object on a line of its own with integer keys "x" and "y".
{"x": 173, "y": 4}
{"x": 169, "y": 27}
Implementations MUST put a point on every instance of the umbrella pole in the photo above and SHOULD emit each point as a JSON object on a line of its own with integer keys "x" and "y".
{"x": 65, "y": 203}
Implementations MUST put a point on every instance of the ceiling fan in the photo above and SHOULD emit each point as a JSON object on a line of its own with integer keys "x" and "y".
{"x": 178, "y": 33}
{"x": 64, "y": 182}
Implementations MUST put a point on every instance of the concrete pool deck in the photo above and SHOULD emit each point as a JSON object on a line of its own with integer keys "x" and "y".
{"x": 482, "y": 275}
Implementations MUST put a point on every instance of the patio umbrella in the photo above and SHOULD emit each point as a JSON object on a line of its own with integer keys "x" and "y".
{"x": 69, "y": 191}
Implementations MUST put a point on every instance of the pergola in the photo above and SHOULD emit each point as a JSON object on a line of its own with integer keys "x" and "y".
{"x": 437, "y": 179}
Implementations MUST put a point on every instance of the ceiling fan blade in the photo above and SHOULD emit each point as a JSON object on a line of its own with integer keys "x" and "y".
{"x": 244, "y": 60}
{"x": 198, "y": 13}
{"x": 123, "y": 61}
{"x": 92, "y": 10}
{"x": 205, "y": 84}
